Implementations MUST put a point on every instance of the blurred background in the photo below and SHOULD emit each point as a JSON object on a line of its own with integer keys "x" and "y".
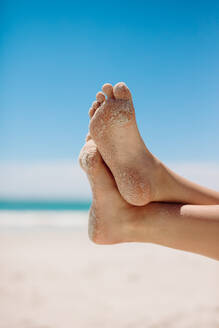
{"x": 56, "y": 55}
{"x": 54, "y": 58}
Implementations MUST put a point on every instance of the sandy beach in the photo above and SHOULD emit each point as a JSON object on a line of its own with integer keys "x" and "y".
{"x": 52, "y": 276}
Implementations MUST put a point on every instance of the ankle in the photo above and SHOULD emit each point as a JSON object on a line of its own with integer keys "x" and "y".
{"x": 162, "y": 183}
{"x": 136, "y": 227}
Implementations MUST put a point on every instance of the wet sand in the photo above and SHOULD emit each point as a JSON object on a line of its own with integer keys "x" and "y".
{"x": 58, "y": 278}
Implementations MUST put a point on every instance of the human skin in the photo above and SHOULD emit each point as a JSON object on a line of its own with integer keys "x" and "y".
{"x": 140, "y": 177}
{"x": 193, "y": 228}
{"x": 124, "y": 175}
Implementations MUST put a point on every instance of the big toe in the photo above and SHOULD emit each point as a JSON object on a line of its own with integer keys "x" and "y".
{"x": 121, "y": 91}
{"x": 89, "y": 157}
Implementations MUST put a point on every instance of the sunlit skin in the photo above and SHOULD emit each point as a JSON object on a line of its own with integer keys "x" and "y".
{"x": 141, "y": 177}
{"x": 177, "y": 214}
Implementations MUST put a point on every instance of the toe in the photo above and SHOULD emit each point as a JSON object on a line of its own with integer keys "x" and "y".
{"x": 121, "y": 91}
{"x": 91, "y": 112}
{"x": 108, "y": 90}
{"x": 100, "y": 97}
{"x": 93, "y": 108}
{"x": 95, "y": 105}
{"x": 89, "y": 156}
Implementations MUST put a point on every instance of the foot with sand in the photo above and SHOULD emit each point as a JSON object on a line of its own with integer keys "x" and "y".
{"x": 122, "y": 171}
{"x": 140, "y": 177}
{"x": 113, "y": 128}
{"x": 112, "y": 220}
{"x": 109, "y": 212}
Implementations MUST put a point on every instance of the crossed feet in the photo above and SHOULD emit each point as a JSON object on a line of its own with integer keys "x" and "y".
{"x": 122, "y": 172}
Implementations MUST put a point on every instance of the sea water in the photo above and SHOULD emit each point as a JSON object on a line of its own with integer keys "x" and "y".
{"x": 43, "y": 215}
{"x": 33, "y": 205}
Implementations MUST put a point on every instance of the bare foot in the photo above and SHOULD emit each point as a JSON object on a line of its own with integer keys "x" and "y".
{"x": 111, "y": 218}
{"x": 114, "y": 129}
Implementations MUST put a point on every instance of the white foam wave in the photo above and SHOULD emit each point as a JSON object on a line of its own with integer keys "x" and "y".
{"x": 42, "y": 220}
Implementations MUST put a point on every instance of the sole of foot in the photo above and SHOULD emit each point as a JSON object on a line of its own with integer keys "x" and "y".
{"x": 111, "y": 218}
{"x": 114, "y": 130}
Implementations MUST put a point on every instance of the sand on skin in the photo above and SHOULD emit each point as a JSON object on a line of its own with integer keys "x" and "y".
{"x": 58, "y": 278}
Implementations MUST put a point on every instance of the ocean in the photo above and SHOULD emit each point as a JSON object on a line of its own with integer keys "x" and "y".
{"x": 42, "y": 205}
{"x": 34, "y": 215}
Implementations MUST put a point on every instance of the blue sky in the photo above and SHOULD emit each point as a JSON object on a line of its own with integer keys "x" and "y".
{"x": 55, "y": 55}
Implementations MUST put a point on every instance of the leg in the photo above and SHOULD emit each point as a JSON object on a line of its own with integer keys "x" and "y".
{"x": 180, "y": 190}
{"x": 141, "y": 178}
{"x": 193, "y": 228}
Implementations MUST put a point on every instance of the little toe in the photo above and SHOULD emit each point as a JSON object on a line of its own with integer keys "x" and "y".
{"x": 108, "y": 90}
{"x": 95, "y": 104}
{"x": 91, "y": 112}
{"x": 93, "y": 108}
{"x": 100, "y": 97}
{"x": 121, "y": 91}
